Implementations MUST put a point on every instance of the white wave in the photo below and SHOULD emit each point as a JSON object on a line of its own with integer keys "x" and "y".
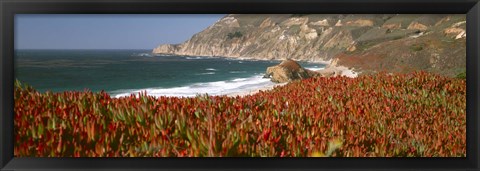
{"x": 144, "y": 55}
{"x": 198, "y": 57}
{"x": 239, "y": 79}
{"x": 237, "y": 85}
{"x": 211, "y": 69}
{"x": 206, "y": 73}
{"x": 315, "y": 68}
{"x": 236, "y": 72}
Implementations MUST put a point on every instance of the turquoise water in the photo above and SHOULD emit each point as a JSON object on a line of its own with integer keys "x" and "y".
{"x": 122, "y": 72}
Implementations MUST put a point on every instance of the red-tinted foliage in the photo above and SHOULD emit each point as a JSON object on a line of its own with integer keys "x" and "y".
{"x": 417, "y": 114}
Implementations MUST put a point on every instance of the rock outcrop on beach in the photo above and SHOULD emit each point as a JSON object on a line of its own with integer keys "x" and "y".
{"x": 363, "y": 42}
{"x": 287, "y": 71}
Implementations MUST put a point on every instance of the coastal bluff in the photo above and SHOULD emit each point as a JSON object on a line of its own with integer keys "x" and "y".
{"x": 364, "y": 43}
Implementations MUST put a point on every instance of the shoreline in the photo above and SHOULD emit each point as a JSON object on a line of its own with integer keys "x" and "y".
{"x": 255, "y": 91}
{"x": 326, "y": 72}
{"x": 232, "y": 94}
{"x": 232, "y": 88}
{"x": 338, "y": 71}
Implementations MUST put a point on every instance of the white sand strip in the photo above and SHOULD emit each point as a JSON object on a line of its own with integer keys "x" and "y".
{"x": 252, "y": 92}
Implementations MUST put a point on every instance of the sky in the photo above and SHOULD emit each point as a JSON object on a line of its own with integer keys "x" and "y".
{"x": 107, "y": 31}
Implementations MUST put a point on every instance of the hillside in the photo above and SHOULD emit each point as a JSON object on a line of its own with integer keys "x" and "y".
{"x": 363, "y": 42}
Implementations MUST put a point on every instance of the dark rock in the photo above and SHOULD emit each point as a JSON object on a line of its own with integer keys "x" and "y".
{"x": 266, "y": 76}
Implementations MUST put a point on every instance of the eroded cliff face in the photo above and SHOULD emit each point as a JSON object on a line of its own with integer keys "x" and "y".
{"x": 324, "y": 37}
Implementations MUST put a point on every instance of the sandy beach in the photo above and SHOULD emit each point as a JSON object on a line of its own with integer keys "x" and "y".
{"x": 252, "y": 92}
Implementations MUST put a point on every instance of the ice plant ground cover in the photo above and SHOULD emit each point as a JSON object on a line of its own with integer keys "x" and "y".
{"x": 416, "y": 114}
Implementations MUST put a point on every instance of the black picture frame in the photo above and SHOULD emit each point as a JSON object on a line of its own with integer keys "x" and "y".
{"x": 8, "y": 9}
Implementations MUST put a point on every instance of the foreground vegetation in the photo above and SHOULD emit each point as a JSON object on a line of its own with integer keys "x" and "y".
{"x": 417, "y": 114}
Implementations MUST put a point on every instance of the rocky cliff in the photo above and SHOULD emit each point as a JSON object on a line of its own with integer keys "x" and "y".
{"x": 366, "y": 43}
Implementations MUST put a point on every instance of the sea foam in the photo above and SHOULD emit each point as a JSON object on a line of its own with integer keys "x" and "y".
{"x": 197, "y": 57}
{"x": 143, "y": 54}
{"x": 211, "y": 69}
{"x": 237, "y": 85}
{"x": 315, "y": 68}
{"x": 206, "y": 73}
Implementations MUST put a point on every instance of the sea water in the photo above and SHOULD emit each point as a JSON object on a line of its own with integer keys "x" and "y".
{"x": 123, "y": 72}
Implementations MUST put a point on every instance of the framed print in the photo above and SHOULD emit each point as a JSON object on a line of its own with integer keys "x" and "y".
{"x": 294, "y": 85}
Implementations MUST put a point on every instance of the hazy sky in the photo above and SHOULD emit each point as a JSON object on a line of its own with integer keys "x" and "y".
{"x": 98, "y": 31}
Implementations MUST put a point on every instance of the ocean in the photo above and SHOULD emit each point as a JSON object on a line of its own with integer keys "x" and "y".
{"x": 123, "y": 72}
